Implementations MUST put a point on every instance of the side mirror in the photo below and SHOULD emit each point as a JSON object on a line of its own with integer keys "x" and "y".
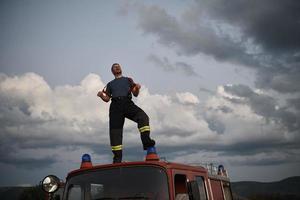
{"x": 193, "y": 190}
{"x": 50, "y": 184}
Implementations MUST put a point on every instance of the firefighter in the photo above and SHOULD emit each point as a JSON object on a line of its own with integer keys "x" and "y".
{"x": 120, "y": 91}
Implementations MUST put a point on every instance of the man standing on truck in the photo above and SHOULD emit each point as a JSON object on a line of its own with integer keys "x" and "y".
{"x": 120, "y": 91}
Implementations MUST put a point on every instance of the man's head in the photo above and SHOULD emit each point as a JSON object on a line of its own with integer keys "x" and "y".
{"x": 116, "y": 69}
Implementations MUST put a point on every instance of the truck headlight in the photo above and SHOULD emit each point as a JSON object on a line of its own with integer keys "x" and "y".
{"x": 50, "y": 184}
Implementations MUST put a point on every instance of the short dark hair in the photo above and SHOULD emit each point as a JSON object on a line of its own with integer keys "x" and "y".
{"x": 115, "y": 64}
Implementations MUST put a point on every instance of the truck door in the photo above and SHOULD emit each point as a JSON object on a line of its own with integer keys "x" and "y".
{"x": 201, "y": 187}
{"x": 180, "y": 186}
{"x": 216, "y": 189}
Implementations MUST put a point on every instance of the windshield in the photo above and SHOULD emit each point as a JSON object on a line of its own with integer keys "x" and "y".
{"x": 138, "y": 182}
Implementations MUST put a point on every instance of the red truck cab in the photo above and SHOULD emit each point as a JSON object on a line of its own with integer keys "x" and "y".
{"x": 149, "y": 179}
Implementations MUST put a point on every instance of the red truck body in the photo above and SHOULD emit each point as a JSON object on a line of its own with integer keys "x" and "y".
{"x": 146, "y": 180}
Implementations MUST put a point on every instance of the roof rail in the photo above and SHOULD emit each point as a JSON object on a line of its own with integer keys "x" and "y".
{"x": 213, "y": 169}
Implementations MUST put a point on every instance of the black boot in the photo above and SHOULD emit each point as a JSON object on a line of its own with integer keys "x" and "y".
{"x": 147, "y": 141}
{"x": 150, "y": 143}
{"x": 117, "y": 156}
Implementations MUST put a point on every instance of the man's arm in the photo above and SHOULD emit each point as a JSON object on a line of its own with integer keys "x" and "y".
{"x": 103, "y": 96}
{"x": 136, "y": 89}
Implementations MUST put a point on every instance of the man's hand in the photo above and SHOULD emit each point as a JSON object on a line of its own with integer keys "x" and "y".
{"x": 103, "y": 96}
{"x": 136, "y": 90}
{"x": 100, "y": 94}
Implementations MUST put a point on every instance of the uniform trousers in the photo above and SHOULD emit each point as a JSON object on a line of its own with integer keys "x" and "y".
{"x": 121, "y": 108}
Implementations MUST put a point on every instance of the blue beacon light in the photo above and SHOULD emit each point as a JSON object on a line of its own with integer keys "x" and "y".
{"x": 151, "y": 154}
{"x": 151, "y": 150}
{"x": 86, "y": 158}
{"x": 86, "y": 161}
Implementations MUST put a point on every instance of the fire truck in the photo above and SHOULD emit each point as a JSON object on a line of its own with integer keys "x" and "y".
{"x": 149, "y": 179}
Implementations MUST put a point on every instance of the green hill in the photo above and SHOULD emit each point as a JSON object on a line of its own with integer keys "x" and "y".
{"x": 285, "y": 189}
{"x": 21, "y": 193}
{"x": 11, "y": 193}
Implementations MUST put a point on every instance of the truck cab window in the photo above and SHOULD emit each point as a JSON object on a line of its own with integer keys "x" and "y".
{"x": 201, "y": 187}
{"x": 75, "y": 193}
{"x": 96, "y": 191}
{"x": 181, "y": 192}
{"x": 138, "y": 182}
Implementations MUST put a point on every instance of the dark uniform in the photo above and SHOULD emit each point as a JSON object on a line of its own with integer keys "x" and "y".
{"x": 122, "y": 106}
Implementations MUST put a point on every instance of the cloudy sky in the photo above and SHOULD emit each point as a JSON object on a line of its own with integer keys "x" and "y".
{"x": 220, "y": 83}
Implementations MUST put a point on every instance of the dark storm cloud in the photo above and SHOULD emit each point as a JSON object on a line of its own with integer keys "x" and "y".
{"x": 190, "y": 40}
{"x": 294, "y": 103}
{"x": 175, "y": 132}
{"x": 253, "y": 147}
{"x": 263, "y": 35}
{"x": 261, "y": 153}
{"x": 9, "y": 157}
{"x": 164, "y": 64}
{"x": 267, "y": 107}
{"x": 273, "y": 24}
{"x": 261, "y": 104}
{"x": 264, "y": 161}
{"x": 283, "y": 79}
{"x": 249, "y": 147}
{"x": 240, "y": 90}
{"x": 216, "y": 125}
{"x": 29, "y": 163}
{"x": 246, "y": 153}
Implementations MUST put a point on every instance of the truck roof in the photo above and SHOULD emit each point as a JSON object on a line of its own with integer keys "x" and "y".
{"x": 162, "y": 164}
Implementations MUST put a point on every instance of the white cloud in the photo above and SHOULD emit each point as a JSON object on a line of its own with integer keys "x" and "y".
{"x": 241, "y": 122}
{"x": 74, "y": 114}
{"x": 173, "y": 122}
{"x": 187, "y": 97}
{"x": 66, "y": 113}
